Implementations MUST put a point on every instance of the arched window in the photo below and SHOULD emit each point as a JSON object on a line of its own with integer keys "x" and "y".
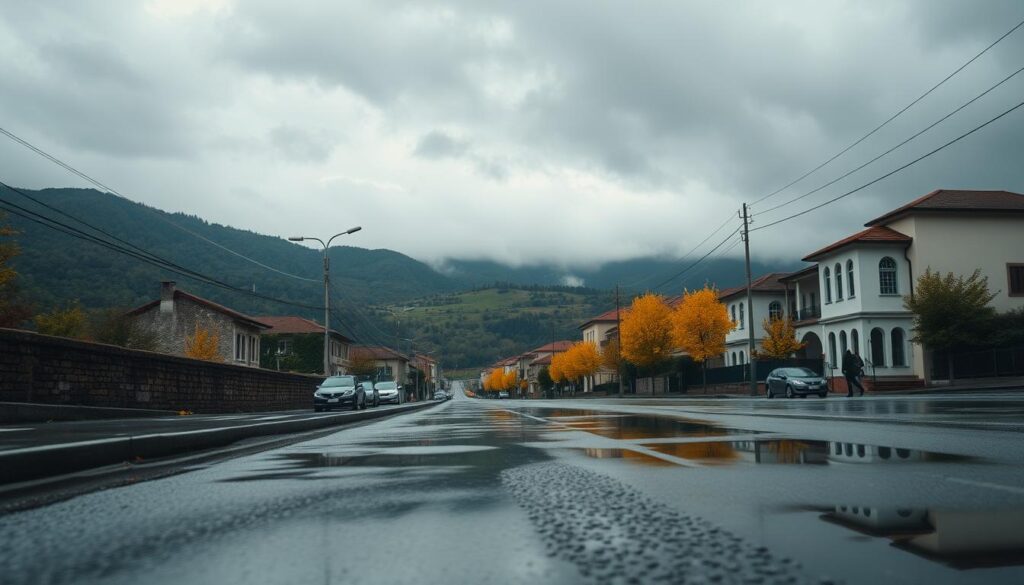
{"x": 832, "y": 349}
{"x": 734, "y": 358}
{"x": 839, "y": 282}
{"x": 877, "y": 348}
{"x": 849, "y": 278}
{"x": 855, "y": 341}
{"x": 887, "y": 276}
{"x": 743, "y": 359}
{"x": 898, "y": 355}
{"x": 732, "y": 310}
{"x": 742, "y": 314}
{"x": 842, "y": 343}
{"x": 828, "y": 286}
{"x": 775, "y": 310}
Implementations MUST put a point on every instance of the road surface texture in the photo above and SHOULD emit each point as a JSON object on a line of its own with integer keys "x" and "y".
{"x": 876, "y": 490}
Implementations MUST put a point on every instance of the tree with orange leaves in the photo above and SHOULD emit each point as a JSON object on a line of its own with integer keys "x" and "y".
{"x": 780, "y": 339}
{"x": 585, "y": 359}
{"x": 700, "y": 324}
{"x": 646, "y": 331}
{"x": 510, "y": 380}
{"x": 203, "y": 345}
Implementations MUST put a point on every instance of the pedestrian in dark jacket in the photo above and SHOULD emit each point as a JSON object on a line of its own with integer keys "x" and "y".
{"x": 852, "y": 366}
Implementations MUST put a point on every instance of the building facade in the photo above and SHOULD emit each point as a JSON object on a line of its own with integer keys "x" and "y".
{"x": 296, "y": 344}
{"x": 177, "y": 316}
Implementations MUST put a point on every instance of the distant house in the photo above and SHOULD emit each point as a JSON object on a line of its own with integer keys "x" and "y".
{"x": 390, "y": 364}
{"x": 177, "y": 314}
{"x": 297, "y": 345}
{"x": 770, "y": 299}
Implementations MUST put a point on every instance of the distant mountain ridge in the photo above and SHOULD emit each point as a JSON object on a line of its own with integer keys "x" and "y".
{"x": 56, "y": 268}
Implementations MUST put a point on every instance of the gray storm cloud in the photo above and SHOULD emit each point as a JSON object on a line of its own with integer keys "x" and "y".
{"x": 561, "y": 123}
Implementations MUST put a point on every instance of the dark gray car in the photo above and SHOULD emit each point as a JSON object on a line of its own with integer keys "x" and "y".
{"x": 339, "y": 392}
{"x": 795, "y": 382}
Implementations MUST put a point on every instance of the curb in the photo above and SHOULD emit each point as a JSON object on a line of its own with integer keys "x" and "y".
{"x": 30, "y": 463}
{"x": 22, "y": 412}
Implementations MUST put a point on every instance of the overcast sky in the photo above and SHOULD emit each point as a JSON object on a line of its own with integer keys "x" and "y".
{"x": 570, "y": 132}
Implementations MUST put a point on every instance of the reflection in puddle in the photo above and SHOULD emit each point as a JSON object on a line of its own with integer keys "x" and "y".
{"x": 645, "y": 427}
{"x": 626, "y": 454}
{"x": 963, "y": 539}
{"x": 793, "y": 451}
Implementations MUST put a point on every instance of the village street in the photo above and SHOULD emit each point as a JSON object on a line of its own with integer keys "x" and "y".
{"x": 570, "y": 491}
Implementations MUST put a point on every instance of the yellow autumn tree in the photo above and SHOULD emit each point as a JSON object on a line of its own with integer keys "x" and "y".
{"x": 646, "y": 331}
{"x": 202, "y": 345}
{"x": 557, "y": 368}
{"x": 495, "y": 380}
{"x": 584, "y": 359}
{"x": 780, "y": 339}
{"x": 700, "y": 324}
{"x": 611, "y": 358}
{"x": 62, "y": 322}
{"x": 510, "y": 380}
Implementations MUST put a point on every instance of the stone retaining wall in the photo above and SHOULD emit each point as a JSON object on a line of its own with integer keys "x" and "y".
{"x": 54, "y": 370}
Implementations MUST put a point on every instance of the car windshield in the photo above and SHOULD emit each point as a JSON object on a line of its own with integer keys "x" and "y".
{"x": 338, "y": 381}
{"x": 798, "y": 373}
{"x": 386, "y": 386}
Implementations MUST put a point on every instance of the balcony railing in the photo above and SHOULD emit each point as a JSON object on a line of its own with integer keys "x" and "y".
{"x": 811, "y": 312}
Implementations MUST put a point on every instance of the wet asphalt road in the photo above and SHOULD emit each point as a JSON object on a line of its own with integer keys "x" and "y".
{"x": 595, "y": 491}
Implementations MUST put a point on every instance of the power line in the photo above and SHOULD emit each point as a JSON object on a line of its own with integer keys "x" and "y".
{"x": 159, "y": 214}
{"x": 922, "y": 131}
{"x": 699, "y": 260}
{"x": 892, "y": 172}
{"x": 687, "y": 255}
{"x": 143, "y": 256}
{"x": 891, "y": 118}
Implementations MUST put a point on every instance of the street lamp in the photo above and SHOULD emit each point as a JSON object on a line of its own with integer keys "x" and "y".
{"x": 327, "y": 291}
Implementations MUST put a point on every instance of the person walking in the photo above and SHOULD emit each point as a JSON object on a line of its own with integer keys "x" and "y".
{"x": 852, "y": 366}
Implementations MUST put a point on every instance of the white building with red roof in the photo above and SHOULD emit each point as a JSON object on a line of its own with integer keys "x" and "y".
{"x": 852, "y": 297}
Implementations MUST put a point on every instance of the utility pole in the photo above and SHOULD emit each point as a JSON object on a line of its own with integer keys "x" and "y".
{"x": 618, "y": 343}
{"x": 750, "y": 305}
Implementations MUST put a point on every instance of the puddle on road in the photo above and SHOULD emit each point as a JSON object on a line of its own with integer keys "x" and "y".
{"x": 626, "y": 455}
{"x": 962, "y": 539}
{"x": 801, "y": 452}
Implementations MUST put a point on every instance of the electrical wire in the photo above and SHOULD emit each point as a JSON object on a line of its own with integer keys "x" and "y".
{"x": 892, "y": 172}
{"x": 891, "y": 118}
{"x": 920, "y": 132}
{"x": 699, "y": 260}
{"x": 143, "y": 256}
{"x": 685, "y": 256}
{"x": 159, "y": 214}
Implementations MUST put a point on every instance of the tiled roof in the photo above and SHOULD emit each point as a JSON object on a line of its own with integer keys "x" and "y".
{"x": 563, "y": 345}
{"x": 802, "y": 273}
{"x": 544, "y": 360}
{"x": 950, "y": 200}
{"x": 607, "y": 316}
{"x": 376, "y": 352}
{"x": 180, "y": 294}
{"x": 872, "y": 235}
{"x": 767, "y": 283}
{"x": 289, "y": 324}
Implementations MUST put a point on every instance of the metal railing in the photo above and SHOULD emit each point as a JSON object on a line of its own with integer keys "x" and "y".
{"x": 811, "y": 312}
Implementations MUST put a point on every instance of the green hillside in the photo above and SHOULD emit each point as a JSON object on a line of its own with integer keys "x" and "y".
{"x": 477, "y": 327}
{"x": 55, "y": 268}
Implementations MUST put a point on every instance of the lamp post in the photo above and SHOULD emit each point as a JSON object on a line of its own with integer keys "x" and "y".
{"x": 327, "y": 291}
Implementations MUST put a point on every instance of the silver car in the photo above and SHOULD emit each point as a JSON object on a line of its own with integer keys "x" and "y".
{"x": 795, "y": 382}
{"x": 388, "y": 392}
{"x": 372, "y": 394}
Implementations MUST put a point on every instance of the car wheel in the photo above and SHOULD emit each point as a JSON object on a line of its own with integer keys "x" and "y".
{"x": 789, "y": 392}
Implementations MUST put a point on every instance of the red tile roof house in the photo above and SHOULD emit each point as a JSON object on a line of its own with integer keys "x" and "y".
{"x": 861, "y": 279}
{"x": 530, "y": 363}
{"x": 769, "y": 297}
{"x": 297, "y": 344}
{"x": 176, "y": 314}
{"x": 391, "y": 365}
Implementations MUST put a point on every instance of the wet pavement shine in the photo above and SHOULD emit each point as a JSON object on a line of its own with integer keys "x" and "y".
{"x": 596, "y": 491}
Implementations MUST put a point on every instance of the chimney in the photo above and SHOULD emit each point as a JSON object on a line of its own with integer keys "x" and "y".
{"x": 167, "y": 296}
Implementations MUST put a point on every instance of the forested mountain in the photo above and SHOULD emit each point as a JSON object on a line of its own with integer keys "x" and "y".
{"x": 55, "y": 268}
